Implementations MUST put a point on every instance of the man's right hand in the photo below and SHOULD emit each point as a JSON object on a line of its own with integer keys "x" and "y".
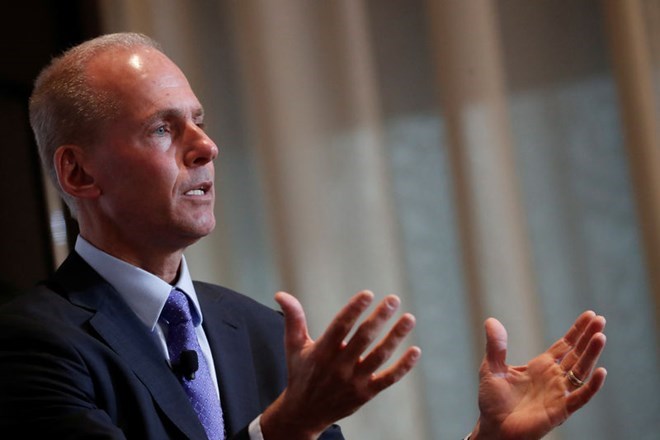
{"x": 332, "y": 377}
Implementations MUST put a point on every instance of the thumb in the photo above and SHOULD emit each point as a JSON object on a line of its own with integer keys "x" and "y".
{"x": 496, "y": 339}
{"x": 295, "y": 323}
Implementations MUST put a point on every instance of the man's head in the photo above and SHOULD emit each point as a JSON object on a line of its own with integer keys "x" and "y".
{"x": 65, "y": 108}
{"x": 121, "y": 133}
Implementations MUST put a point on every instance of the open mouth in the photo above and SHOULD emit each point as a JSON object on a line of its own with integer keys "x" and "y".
{"x": 199, "y": 190}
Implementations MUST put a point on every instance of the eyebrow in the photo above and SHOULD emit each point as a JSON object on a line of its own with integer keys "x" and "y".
{"x": 170, "y": 113}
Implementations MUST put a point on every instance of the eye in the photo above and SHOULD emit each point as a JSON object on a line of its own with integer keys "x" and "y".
{"x": 160, "y": 131}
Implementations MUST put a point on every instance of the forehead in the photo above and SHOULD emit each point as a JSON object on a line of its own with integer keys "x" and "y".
{"x": 143, "y": 80}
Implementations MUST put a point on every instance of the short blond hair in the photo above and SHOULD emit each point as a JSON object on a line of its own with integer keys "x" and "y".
{"x": 65, "y": 108}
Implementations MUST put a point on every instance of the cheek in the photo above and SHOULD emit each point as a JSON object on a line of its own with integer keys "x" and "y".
{"x": 146, "y": 178}
{"x": 154, "y": 168}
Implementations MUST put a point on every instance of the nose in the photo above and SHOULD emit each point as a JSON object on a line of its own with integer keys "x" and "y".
{"x": 200, "y": 147}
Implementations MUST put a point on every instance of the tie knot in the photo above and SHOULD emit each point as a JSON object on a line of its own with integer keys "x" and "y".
{"x": 177, "y": 309}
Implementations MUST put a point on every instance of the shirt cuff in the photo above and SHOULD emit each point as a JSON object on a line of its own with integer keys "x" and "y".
{"x": 254, "y": 429}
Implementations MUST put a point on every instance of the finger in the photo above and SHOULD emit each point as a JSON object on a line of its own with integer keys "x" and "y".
{"x": 559, "y": 349}
{"x": 496, "y": 344}
{"x": 578, "y": 398}
{"x": 371, "y": 327}
{"x": 295, "y": 323}
{"x": 384, "y": 350}
{"x": 344, "y": 321}
{"x": 394, "y": 373}
{"x": 596, "y": 325}
{"x": 587, "y": 361}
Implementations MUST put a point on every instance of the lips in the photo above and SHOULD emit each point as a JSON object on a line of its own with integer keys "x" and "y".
{"x": 199, "y": 189}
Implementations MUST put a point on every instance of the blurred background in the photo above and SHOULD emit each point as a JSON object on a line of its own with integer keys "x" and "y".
{"x": 478, "y": 158}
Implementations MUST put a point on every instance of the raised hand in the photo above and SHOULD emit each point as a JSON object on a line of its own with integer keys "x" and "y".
{"x": 332, "y": 377}
{"x": 527, "y": 402}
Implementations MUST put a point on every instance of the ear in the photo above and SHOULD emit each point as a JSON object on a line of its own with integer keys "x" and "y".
{"x": 73, "y": 173}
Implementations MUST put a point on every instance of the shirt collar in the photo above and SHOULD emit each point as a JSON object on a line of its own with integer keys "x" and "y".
{"x": 143, "y": 291}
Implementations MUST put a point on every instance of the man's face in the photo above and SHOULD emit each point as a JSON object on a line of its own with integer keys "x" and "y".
{"x": 153, "y": 163}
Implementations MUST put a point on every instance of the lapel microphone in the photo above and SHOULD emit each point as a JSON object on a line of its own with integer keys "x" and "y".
{"x": 188, "y": 364}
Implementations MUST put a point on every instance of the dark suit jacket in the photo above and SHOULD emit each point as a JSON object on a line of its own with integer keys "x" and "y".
{"x": 76, "y": 362}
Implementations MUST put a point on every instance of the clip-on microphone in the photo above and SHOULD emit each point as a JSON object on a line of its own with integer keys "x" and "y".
{"x": 188, "y": 364}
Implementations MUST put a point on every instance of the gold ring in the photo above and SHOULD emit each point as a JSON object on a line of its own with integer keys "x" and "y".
{"x": 573, "y": 379}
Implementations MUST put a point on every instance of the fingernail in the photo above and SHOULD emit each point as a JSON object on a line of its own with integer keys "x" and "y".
{"x": 392, "y": 302}
{"x": 366, "y": 298}
{"x": 408, "y": 321}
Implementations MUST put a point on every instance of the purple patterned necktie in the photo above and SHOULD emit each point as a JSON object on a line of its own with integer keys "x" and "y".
{"x": 182, "y": 338}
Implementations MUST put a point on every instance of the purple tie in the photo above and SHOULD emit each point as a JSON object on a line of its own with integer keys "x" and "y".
{"x": 191, "y": 367}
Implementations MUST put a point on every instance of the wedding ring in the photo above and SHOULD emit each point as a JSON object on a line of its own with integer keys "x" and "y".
{"x": 574, "y": 380}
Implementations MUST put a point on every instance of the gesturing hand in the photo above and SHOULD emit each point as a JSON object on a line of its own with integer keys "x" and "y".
{"x": 332, "y": 377}
{"x": 527, "y": 402}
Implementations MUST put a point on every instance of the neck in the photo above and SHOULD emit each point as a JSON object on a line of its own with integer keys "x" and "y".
{"x": 157, "y": 252}
{"x": 165, "y": 265}
{"x": 162, "y": 262}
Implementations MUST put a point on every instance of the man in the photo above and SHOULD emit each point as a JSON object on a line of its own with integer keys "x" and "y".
{"x": 99, "y": 349}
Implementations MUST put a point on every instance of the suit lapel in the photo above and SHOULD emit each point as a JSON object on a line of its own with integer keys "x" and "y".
{"x": 233, "y": 360}
{"x": 127, "y": 336}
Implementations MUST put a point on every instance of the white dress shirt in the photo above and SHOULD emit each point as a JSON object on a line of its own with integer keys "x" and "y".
{"x": 146, "y": 295}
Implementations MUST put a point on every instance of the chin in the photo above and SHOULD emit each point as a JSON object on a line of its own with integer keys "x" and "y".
{"x": 193, "y": 228}
{"x": 204, "y": 228}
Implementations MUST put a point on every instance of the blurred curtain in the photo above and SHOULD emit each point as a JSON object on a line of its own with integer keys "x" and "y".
{"x": 478, "y": 158}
